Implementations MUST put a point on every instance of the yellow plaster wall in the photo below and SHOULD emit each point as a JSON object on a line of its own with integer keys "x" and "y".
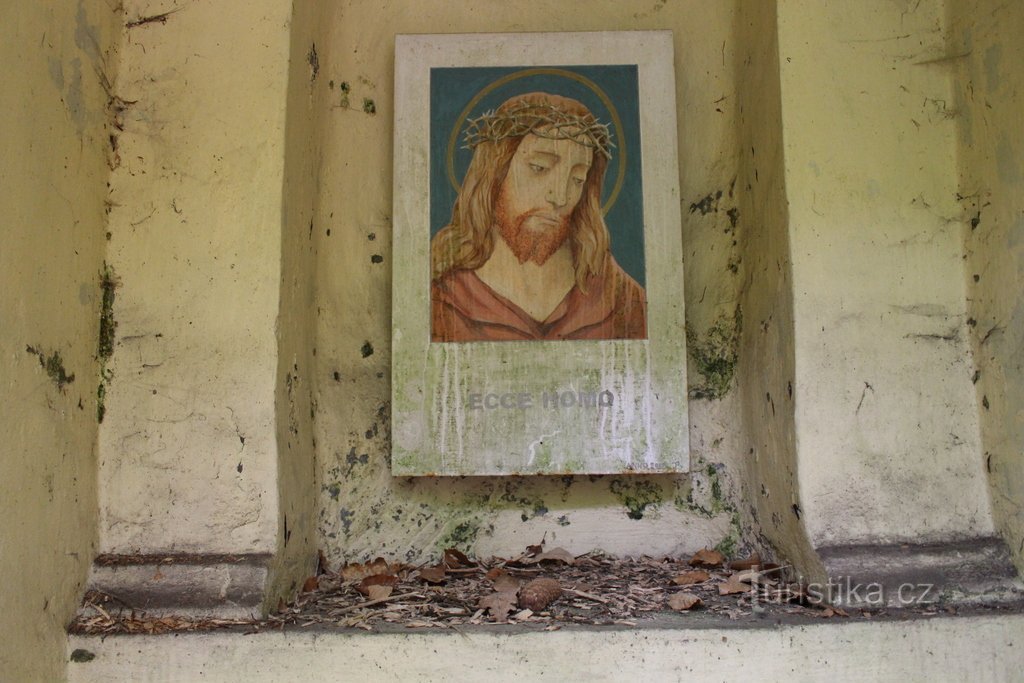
{"x": 58, "y": 59}
{"x": 986, "y": 54}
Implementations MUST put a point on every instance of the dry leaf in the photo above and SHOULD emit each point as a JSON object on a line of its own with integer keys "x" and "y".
{"x": 539, "y": 593}
{"x": 433, "y": 574}
{"x": 684, "y": 601}
{"x": 311, "y": 584}
{"x": 389, "y": 580}
{"x": 358, "y": 572}
{"x": 535, "y": 549}
{"x": 506, "y": 584}
{"x": 499, "y": 604}
{"x": 455, "y": 559}
{"x": 688, "y": 578}
{"x": 494, "y": 573}
{"x": 378, "y": 591}
{"x": 733, "y": 586}
{"x": 523, "y": 615}
{"x": 554, "y": 555}
{"x": 707, "y": 558}
{"x": 746, "y": 563}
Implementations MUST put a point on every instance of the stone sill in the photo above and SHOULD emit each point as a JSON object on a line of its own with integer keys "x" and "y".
{"x": 983, "y": 645}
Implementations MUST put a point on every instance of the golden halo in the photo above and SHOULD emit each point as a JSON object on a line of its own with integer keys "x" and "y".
{"x": 453, "y": 139}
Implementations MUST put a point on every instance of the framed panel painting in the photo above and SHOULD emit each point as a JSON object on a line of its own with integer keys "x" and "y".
{"x": 538, "y": 323}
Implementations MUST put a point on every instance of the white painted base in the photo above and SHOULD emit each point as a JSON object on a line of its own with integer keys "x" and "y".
{"x": 978, "y": 648}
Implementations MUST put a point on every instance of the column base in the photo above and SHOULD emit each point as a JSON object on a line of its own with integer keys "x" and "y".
{"x": 224, "y": 586}
{"x": 960, "y": 572}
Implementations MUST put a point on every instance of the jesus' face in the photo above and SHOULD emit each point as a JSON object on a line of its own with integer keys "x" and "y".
{"x": 544, "y": 183}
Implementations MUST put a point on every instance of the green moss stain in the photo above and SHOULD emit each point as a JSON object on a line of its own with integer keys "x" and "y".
{"x": 462, "y": 535}
{"x": 108, "y": 330}
{"x": 509, "y": 497}
{"x": 369, "y": 106}
{"x": 101, "y": 395}
{"x": 716, "y": 485}
{"x": 55, "y": 370}
{"x": 729, "y": 545}
{"x": 53, "y": 366}
{"x": 108, "y": 326}
{"x": 705, "y": 496}
{"x": 636, "y": 496}
{"x": 715, "y": 355}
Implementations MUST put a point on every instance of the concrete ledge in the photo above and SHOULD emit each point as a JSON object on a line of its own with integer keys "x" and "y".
{"x": 226, "y": 586}
{"x": 983, "y": 647}
{"x": 977, "y": 570}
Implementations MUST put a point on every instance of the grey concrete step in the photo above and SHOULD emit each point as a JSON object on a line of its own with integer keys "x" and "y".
{"x": 983, "y": 646}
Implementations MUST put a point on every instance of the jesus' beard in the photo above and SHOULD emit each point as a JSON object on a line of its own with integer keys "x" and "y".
{"x": 526, "y": 243}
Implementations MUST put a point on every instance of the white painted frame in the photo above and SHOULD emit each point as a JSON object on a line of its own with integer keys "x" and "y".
{"x": 434, "y": 432}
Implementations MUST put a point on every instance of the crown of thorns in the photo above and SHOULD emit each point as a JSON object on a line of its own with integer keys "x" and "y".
{"x": 543, "y": 120}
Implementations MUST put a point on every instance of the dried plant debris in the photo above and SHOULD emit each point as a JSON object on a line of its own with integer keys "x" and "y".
{"x": 103, "y": 614}
{"x": 543, "y": 589}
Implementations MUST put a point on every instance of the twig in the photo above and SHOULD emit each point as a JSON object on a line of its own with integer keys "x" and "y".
{"x": 378, "y": 601}
{"x": 588, "y": 596}
{"x": 101, "y": 611}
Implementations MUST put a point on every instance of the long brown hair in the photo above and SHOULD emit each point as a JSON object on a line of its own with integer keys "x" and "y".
{"x": 468, "y": 240}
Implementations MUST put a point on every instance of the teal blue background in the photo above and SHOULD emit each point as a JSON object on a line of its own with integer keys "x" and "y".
{"x": 451, "y": 89}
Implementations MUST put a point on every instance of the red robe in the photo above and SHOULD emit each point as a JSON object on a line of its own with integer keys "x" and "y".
{"x": 465, "y": 309}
